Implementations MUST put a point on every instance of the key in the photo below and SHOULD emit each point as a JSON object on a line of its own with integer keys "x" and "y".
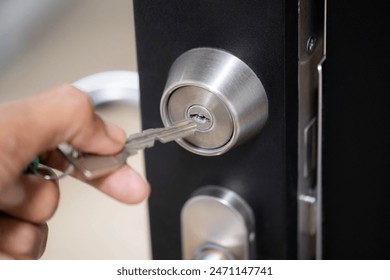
{"x": 147, "y": 138}
{"x": 93, "y": 166}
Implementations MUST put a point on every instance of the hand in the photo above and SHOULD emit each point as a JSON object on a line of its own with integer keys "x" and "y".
{"x": 36, "y": 126}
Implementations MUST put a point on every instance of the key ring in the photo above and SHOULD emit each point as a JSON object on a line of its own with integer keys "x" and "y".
{"x": 48, "y": 173}
{"x": 52, "y": 176}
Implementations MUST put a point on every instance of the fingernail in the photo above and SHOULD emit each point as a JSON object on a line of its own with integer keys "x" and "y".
{"x": 115, "y": 133}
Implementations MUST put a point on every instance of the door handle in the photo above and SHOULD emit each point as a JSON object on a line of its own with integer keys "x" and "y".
{"x": 216, "y": 223}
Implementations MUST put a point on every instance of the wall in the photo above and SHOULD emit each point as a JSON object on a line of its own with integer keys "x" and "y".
{"x": 85, "y": 37}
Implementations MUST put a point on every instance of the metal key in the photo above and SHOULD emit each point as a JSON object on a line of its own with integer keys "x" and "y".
{"x": 93, "y": 166}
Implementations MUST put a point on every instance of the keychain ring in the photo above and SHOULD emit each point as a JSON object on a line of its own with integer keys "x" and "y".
{"x": 52, "y": 176}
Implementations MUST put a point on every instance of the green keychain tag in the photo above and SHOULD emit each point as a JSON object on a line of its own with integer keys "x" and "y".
{"x": 32, "y": 167}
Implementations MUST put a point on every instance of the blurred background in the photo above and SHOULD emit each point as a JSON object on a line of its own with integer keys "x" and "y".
{"x": 44, "y": 43}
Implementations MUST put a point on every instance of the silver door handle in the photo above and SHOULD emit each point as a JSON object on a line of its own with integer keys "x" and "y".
{"x": 111, "y": 86}
{"x": 216, "y": 223}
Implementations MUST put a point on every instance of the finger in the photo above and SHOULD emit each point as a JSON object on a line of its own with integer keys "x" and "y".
{"x": 4, "y": 256}
{"x": 73, "y": 120}
{"x": 35, "y": 201}
{"x": 39, "y": 124}
{"x": 20, "y": 239}
{"x": 124, "y": 184}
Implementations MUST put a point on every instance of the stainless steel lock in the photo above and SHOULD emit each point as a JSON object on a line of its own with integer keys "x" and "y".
{"x": 216, "y": 223}
{"x": 221, "y": 93}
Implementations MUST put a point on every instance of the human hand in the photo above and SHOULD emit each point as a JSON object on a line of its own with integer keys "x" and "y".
{"x": 36, "y": 126}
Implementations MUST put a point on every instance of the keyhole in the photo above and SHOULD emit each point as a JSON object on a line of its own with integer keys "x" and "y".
{"x": 202, "y": 117}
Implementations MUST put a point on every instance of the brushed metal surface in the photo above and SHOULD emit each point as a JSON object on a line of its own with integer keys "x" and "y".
{"x": 226, "y": 87}
{"x": 212, "y": 139}
{"x": 111, "y": 86}
{"x": 312, "y": 50}
{"x": 217, "y": 223}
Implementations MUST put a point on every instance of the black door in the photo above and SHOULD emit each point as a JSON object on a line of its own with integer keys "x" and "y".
{"x": 268, "y": 35}
{"x": 263, "y": 34}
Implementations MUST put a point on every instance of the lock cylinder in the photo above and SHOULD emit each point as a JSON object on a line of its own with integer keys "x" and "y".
{"x": 221, "y": 94}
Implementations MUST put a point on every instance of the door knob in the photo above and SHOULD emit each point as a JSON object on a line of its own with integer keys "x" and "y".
{"x": 216, "y": 223}
{"x": 210, "y": 251}
{"x": 221, "y": 93}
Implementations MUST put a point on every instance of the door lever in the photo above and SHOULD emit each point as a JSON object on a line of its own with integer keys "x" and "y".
{"x": 216, "y": 223}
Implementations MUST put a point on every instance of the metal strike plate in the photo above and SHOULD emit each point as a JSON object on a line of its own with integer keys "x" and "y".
{"x": 216, "y": 223}
{"x": 312, "y": 53}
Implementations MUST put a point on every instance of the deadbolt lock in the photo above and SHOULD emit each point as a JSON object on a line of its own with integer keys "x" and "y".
{"x": 221, "y": 93}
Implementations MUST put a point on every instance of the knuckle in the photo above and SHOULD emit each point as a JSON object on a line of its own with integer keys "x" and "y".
{"x": 38, "y": 202}
{"x": 51, "y": 199}
{"x": 81, "y": 107}
{"x": 76, "y": 98}
{"x": 78, "y": 106}
{"x": 44, "y": 201}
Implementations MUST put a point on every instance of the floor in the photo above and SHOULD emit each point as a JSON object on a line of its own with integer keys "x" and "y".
{"x": 87, "y": 37}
